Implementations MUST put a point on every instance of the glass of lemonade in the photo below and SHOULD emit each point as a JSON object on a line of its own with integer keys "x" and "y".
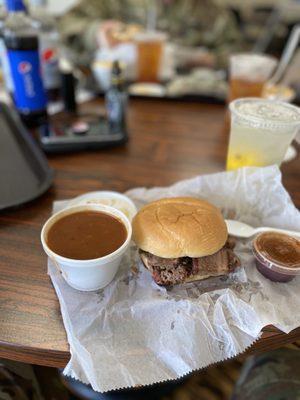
{"x": 248, "y": 74}
{"x": 261, "y": 131}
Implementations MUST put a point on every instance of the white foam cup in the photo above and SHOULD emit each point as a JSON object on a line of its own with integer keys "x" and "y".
{"x": 88, "y": 275}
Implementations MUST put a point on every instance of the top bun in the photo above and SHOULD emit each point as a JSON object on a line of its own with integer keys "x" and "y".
{"x": 179, "y": 227}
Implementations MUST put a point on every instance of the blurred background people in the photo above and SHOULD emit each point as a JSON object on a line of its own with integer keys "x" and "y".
{"x": 96, "y": 24}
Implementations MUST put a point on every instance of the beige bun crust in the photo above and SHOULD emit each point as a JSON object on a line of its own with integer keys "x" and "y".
{"x": 179, "y": 227}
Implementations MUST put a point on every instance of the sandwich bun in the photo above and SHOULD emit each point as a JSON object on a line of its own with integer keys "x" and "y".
{"x": 179, "y": 227}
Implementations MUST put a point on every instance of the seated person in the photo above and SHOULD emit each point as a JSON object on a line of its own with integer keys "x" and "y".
{"x": 91, "y": 24}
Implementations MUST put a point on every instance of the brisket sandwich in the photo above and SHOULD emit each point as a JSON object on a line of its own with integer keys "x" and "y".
{"x": 183, "y": 239}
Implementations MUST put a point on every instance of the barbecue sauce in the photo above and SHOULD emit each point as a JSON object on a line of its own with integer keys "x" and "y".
{"x": 279, "y": 248}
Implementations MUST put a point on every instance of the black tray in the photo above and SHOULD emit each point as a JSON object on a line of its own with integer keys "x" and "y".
{"x": 192, "y": 98}
{"x": 98, "y": 136}
{"x": 24, "y": 171}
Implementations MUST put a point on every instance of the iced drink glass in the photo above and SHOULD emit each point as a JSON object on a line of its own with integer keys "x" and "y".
{"x": 261, "y": 131}
{"x": 150, "y": 46}
{"x": 248, "y": 74}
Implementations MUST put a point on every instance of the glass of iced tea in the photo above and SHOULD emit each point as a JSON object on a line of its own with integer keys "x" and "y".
{"x": 261, "y": 131}
{"x": 150, "y": 47}
{"x": 248, "y": 74}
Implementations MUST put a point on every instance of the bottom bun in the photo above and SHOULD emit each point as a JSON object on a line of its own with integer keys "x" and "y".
{"x": 198, "y": 277}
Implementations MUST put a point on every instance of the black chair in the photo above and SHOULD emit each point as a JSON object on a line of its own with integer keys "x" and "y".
{"x": 153, "y": 392}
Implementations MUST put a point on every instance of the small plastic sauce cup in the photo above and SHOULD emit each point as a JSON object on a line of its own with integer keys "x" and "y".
{"x": 277, "y": 256}
{"x": 88, "y": 275}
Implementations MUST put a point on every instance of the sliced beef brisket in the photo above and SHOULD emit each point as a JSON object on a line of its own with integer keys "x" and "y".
{"x": 170, "y": 271}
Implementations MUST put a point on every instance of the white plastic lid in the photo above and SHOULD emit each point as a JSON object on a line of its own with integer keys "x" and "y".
{"x": 38, "y": 3}
{"x": 252, "y": 67}
{"x": 267, "y": 113}
{"x": 150, "y": 36}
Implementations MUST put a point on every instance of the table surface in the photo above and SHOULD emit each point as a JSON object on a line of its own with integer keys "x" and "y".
{"x": 169, "y": 141}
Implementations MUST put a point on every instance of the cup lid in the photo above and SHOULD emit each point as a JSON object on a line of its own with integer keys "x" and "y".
{"x": 266, "y": 112}
{"x": 150, "y": 35}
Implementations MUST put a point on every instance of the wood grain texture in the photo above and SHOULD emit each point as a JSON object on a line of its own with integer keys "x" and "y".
{"x": 169, "y": 141}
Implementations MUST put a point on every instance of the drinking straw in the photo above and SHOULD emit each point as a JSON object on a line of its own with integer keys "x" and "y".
{"x": 287, "y": 54}
{"x": 151, "y": 16}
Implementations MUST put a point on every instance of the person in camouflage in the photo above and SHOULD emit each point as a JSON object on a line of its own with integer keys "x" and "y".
{"x": 187, "y": 22}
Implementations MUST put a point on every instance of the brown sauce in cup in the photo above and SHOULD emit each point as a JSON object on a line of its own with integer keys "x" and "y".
{"x": 86, "y": 235}
{"x": 279, "y": 248}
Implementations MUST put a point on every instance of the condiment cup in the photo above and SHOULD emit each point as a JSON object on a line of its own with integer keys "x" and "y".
{"x": 275, "y": 271}
{"x": 108, "y": 198}
{"x": 88, "y": 275}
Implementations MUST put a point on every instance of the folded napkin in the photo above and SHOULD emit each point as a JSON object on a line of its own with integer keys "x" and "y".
{"x": 134, "y": 332}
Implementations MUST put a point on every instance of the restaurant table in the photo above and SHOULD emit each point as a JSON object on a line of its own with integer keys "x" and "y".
{"x": 169, "y": 141}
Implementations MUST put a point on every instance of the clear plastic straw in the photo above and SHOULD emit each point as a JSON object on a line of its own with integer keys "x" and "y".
{"x": 287, "y": 54}
{"x": 151, "y": 16}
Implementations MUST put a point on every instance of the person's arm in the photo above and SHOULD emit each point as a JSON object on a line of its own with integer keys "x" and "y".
{"x": 188, "y": 57}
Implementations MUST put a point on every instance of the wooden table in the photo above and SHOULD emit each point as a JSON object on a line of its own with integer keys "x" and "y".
{"x": 169, "y": 141}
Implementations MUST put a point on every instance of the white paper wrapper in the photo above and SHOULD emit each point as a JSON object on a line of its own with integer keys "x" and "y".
{"x": 134, "y": 332}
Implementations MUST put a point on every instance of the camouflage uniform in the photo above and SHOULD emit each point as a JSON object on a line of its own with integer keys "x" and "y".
{"x": 188, "y": 23}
